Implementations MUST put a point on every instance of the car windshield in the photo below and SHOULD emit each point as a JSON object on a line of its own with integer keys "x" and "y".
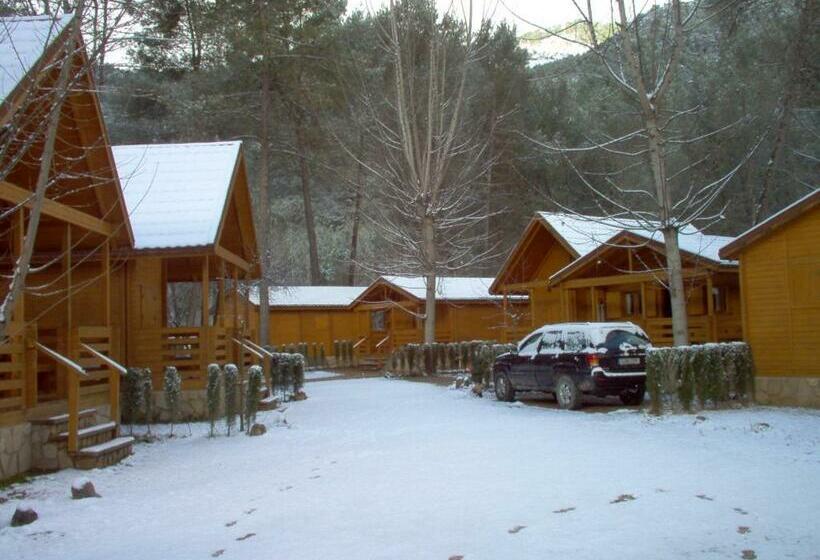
{"x": 624, "y": 341}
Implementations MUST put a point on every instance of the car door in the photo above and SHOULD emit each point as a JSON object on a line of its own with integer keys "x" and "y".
{"x": 549, "y": 351}
{"x": 521, "y": 372}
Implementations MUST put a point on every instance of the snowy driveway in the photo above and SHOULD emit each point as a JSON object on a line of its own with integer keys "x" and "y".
{"x": 375, "y": 468}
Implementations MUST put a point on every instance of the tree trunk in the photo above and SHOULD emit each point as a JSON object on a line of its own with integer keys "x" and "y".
{"x": 429, "y": 241}
{"x": 357, "y": 208}
{"x": 304, "y": 175}
{"x": 677, "y": 294}
{"x": 264, "y": 203}
{"x": 20, "y": 273}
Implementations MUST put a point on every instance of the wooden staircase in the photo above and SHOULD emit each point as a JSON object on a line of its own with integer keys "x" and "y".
{"x": 99, "y": 443}
{"x": 372, "y": 363}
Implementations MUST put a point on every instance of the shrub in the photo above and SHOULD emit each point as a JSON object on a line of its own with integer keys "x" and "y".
{"x": 286, "y": 369}
{"x": 322, "y": 358}
{"x": 482, "y": 363}
{"x": 298, "y": 368}
{"x": 132, "y": 396}
{"x": 172, "y": 387}
{"x": 452, "y": 355}
{"x": 148, "y": 397}
{"x": 231, "y": 375}
{"x": 255, "y": 378}
{"x": 463, "y": 354}
{"x": 212, "y": 393}
{"x": 429, "y": 359}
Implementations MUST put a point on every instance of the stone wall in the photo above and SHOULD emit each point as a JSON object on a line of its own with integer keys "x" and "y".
{"x": 15, "y": 450}
{"x": 193, "y": 406}
{"x": 788, "y": 391}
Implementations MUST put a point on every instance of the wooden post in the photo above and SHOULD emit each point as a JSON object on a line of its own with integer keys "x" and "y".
{"x": 246, "y": 318}
{"x": 593, "y": 304}
{"x": 71, "y": 378}
{"x": 113, "y": 375}
{"x": 204, "y": 328}
{"x": 504, "y": 310}
{"x": 710, "y": 310}
{"x": 236, "y": 351}
{"x": 221, "y": 296}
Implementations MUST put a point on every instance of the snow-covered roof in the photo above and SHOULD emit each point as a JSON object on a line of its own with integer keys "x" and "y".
{"x": 584, "y": 234}
{"x": 309, "y": 296}
{"x": 447, "y": 287}
{"x": 176, "y": 193}
{"x": 23, "y": 40}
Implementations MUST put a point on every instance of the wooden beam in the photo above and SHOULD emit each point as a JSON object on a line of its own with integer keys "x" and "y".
{"x": 232, "y": 258}
{"x": 635, "y": 278}
{"x": 16, "y": 195}
{"x": 205, "y": 314}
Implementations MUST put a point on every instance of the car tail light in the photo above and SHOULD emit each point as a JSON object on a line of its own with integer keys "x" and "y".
{"x": 593, "y": 360}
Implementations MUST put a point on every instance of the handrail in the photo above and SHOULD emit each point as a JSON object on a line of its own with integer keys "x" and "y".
{"x": 108, "y": 360}
{"x": 69, "y": 363}
{"x": 244, "y": 345}
{"x": 382, "y": 341}
{"x": 258, "y": 348}
{"x": 360, "y": 342}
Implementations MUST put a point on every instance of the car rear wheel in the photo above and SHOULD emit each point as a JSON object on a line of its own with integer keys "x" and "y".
{"x": 504, "y": 390}
{"x": 632, "y": 397}
{"x": 567, "y": 393}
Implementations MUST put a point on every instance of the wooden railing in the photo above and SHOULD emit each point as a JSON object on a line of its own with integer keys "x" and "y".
{"x": 660, "y": 330}
{"x": 12, "y": 382}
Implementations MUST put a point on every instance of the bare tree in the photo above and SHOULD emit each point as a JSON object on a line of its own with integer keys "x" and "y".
{"x": 643, "y": 61}
{"x": 427, "y": 208}
{"x": 31, "y": 132}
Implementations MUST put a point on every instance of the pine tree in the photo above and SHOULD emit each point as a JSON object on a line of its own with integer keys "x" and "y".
{"x": 132, "y": 397}
{"x": 231, "y": 375}
{"x": 255, "y": 378}
{"x": 212, "y": 391}
{"x": 148, "y": 397}
{"x": 172, "y": 389}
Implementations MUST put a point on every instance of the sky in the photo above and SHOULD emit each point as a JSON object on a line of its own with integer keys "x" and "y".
{"x": 546, "y": 13}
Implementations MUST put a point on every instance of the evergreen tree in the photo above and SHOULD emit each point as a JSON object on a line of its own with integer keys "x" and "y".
{"x": 172, "y": 387}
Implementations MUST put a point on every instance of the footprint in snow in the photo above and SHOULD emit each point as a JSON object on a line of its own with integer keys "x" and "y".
{"x": 705, "y": 497}
{"x": 219, "y": 552}
{"x": 743, "y": 530}
{"x": 250, "y": 511}
{"x": 623, "y": 498}
{"x": 285, "y": 488}
{"x": 564, "y": 510}
{"x": 314, "y": 477}
{"x": 516, "y": 529}
{"x": 748, "y": 555}
{"x": 230, "y": 523}
{"x": 741, "y": 511}
{"x": 245, "y": 537}
{"x": 456, "y": 557}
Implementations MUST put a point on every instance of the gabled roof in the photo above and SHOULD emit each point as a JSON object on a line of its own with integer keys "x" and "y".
{"x": 791, "y": 212}
{"x": 23, "y": 40}
{"x": 177, "y": 194}
{"x": 695, "y": 246}
{"x": 448, "y": 288}
{"x": 309, "y": 296}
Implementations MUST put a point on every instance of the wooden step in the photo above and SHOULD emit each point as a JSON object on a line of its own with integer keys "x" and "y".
{"x": 62, "y": 418}
{"x": 89, "y": 432}
{"x": 103, "y": 454}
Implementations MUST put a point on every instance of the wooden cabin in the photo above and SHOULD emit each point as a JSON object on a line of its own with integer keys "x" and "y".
{"x": 194, "y": 245}
{"x": 389, "y": 313}
{"x": 56, "y": 369}
{"x": 577, "y": 268}
{"x": 310, "y": 314}
{"x": 780, "y": 295}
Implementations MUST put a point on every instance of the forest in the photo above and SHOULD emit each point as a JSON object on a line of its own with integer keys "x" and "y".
{"x": 313, "y": 90}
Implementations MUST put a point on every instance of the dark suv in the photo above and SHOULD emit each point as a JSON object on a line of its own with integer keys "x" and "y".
{"x": 573, "y": 359}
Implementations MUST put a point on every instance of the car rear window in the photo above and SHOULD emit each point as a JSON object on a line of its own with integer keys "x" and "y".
{"x": 622, "y": 341}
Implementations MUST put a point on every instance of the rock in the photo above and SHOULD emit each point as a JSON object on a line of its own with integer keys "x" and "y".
{"x": 299, "y": 396}
{"x": 478, "y": 390}
{"x": 23, "y": 515}
{"x": 459, "y": 382}
{"x": 83, "y": 488}
{"x": 257, "y": 430}
{"x": 760, "y": 427}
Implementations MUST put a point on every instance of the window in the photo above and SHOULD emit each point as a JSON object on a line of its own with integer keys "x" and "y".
{"x": 620, "y": 340}
{"x": 551, "y": 343}
{"x": 719, "y": 299}
{"x": 377, "y": 320}
{"x": 576, "y": 341}
{"x": 527, "y": 348}
{"x": 632, "y": 304}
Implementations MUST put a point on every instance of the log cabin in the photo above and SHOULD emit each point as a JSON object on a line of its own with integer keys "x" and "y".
{"x": 581, "y": 268}
{"x": 310, "y": 314}
{"x": 389, "y": 313}
{"x": 780, "y": 296}
{"x": 194, "y": 246}
{"x": 59, "y": 369}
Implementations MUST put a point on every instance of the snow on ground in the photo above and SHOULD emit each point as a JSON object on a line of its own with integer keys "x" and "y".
{"x": 375, "y": 468}
{"x": 318, "y": 375}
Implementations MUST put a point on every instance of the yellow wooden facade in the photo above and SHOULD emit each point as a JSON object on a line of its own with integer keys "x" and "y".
{"x": 780, "y": 286}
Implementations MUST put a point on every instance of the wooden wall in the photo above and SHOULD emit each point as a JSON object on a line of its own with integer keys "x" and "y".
{"x": 780, "y": 284}
{"x": 319, "y": 325}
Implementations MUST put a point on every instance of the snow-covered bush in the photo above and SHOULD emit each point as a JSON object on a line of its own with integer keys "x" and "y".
{"x": 322, "y": 357}
{"x": 337, "y": 353}
{"x": 132, "y": 396}
{"x": 452, "y": 355}
{"x": 298, "y": 372}
{"x": 255, "y": 378}
{"x": 212, "y": 394}
{"x": 428, "y": 359}
{"x": 699, "y": 376}
{"x": 231, "y": 375}
{"x": 172, "y": 387}
{"x": 148, "y": 397}
{"x": 463, "y": 354}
